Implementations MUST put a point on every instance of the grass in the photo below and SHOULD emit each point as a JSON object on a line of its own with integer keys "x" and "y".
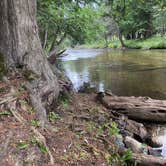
{"x": 95, "y": 44}
{"x": 155, "y": 42}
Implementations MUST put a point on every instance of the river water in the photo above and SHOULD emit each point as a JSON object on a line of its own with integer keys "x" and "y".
{"x": 128, "y": 73}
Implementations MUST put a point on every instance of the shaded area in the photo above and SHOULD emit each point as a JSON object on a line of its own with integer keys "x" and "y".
{"x": 2, "y": 66}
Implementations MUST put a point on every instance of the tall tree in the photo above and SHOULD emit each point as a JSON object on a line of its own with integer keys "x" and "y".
{"x": 21, "y": 48}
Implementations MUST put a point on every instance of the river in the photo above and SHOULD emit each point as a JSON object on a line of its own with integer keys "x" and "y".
{"x": 127, "y": 73}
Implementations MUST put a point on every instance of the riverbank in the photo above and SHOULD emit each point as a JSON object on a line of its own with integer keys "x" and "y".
{"x": 75, "y": 134}
{"x": 155, "y": 42}
{"x": 81, "y": 131}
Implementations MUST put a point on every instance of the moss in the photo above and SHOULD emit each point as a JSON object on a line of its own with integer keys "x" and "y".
{"x": 3, "y": 70}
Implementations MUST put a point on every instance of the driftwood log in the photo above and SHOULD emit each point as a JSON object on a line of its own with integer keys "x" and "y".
{"x": 136, "y": 108}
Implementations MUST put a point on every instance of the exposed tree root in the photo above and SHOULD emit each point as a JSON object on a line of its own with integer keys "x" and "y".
{"x": 38, "y": 135}
{"x": 9, "y": 99}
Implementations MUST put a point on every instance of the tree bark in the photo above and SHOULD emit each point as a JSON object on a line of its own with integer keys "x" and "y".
{"x": 21, "y": 47}
{"x": 121, "y": 39}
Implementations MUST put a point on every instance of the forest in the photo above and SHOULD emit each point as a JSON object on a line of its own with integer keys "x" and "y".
{"x": 137, "y": 24}
{"x": 82, "y": 82}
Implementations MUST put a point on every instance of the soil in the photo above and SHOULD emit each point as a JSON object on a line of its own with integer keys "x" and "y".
{"x": 74, "y": 135}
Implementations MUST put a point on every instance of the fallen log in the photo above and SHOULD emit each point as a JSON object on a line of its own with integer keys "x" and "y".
{"x": 137, "y": 129}
{"x": 136, "y": 108}
{"x": 130, "y": 127}
{"x": 137, "y": 158}
{"x": 147, "y": 160}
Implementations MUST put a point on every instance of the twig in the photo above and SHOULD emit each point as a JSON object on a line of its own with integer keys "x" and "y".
{"x": 10, "y": 99}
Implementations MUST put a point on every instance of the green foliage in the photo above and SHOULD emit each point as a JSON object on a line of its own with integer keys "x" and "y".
{"x": 22, "y": 145}
{"x": 21, "y": 87}
{"x": 89, "y": 23}
{"x": 53, "y": 116}
{"x": 155, "y": 42}
{"x": 133, "y": 17}
{"x": 116, "y": 159}
{"x": 65, "y": 103}
{"x": 42, "y": 148}
{"x": 40, "y": 145}
{"x": 112, "y": 130}
{"x": 76, "y": 20}
{"x": 35, "y": 123}
{"x": 5, "y": 113}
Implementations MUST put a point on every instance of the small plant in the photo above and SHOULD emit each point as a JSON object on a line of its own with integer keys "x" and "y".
{"x": 53, "y": 116}
{"x": 5, "y": 113}
{"x": 113, "y": 130}
{"x": 35, "y": 123}
{"x": 42, "y": 148}
{"x": 22, "y": 87}
{"x": 100, "y": 130}
{"x": 115, "y": 159}
{"x": 65, "y": 104}
{"x": 40, "y": 145}
{"x": 31, "y": 110}
{"x": 22, "y": 145}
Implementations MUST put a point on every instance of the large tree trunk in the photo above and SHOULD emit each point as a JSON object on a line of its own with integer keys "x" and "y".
{"x": 20, "y": 44}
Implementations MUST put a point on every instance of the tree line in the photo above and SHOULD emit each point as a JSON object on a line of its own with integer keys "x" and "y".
{"x": 84, "y": 21}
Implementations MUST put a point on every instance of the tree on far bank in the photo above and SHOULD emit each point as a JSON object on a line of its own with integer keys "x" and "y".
{"x": 134, "y": 19}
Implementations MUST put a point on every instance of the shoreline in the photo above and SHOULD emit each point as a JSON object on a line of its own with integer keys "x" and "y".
{"x": 155, "y": 42}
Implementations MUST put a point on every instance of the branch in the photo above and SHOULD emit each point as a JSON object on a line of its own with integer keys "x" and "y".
{"x": 53, "y": 55}
{"x": 54, "y": 39}
{"x": 61, "y": 40}
{"x": 10, "y": 99}
{"x": 45, "y": 36}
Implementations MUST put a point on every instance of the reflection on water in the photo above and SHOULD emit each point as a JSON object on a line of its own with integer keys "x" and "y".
{"x": 130, "y": 73}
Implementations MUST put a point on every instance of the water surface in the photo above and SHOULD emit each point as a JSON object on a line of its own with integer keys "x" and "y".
{"x": 129, "y": 72}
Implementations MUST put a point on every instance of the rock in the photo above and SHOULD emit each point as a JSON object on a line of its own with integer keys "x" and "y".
{"x": 119, "y": 141}
{"x": 86, "y": 88}
{"x": 135, "y": 146}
